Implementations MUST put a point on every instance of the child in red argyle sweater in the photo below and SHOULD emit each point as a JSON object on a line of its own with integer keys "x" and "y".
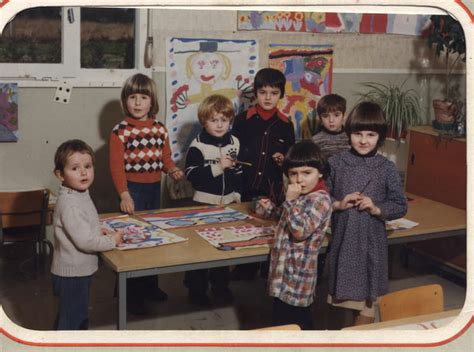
{"x": 139, "y": 152}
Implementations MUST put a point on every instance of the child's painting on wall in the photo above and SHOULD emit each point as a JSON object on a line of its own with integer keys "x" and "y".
{"x": 197, "y": 68}
{"x": 8, "y": 112}
{"x": 308, "y": 72}
{"x": 329, "y": 22}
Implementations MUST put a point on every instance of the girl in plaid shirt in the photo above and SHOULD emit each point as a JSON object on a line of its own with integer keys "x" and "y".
{"x": 305, "y": 216}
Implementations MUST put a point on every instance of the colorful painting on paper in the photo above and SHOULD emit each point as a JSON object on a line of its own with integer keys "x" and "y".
{"x": 137, "y": 233}
{"x": 8, "y": 112}
{"x": 308, "y": 72}
{"x": 197, "y": 68}
{"x": 238, "y": 237}
{"x": 194, "y": 217}
{"x": 320, "y": 22}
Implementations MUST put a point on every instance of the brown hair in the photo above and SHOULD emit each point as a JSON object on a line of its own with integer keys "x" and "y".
{"x": 367, "y": 116}
{"x": 305, "y": 153}
{"x": 269, "y": 77}
{"x": 331, "y": 103}
{"x": 215, "y": 104}
{"x": 140, "y": 84}
{"x": 67, "y": 148}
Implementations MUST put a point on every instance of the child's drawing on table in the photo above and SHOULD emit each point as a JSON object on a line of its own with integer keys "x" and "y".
{"x": 138, "y": 234}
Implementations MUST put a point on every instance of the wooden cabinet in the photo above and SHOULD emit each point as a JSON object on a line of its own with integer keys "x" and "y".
{"x": 436, "y": 167}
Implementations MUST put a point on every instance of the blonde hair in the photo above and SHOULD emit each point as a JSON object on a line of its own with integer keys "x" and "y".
{"x": 215, "y": 103}
{"x": 140, "y": 84}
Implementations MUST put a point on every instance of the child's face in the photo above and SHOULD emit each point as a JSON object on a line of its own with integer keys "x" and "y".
{"x": 364, "y": 141}
{"x": 218, "y": 125}
{"x": 139, "y": 106}
{"x": 268, "y": 97}
{"x": 306, "y": 176}
{"x": 78, "y": 172}
{"x": 332, "y": 121}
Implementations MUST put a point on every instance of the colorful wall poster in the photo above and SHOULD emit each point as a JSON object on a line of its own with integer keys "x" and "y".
{"x": 324, "y": 22}
{"x": 138, "y": 233}
{"x": 197, "y": 68}
{"x": 8, "y": 112}
{"x": 308, "y": 72}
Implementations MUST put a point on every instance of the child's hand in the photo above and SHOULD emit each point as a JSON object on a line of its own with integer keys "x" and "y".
{"x": 264, "y": 207}
{"x": 366, "y": 203}
{"x": 349, "y": 201}
{"x": 265, "y": 204}
{"x": 118, "y": 237}
{"x": 226, "y": 163}
{"x": 176, "y": 174}
{"x": 293, "y": 191}
{"x": 278, "y": 158}
{"x": 126, "y": 203}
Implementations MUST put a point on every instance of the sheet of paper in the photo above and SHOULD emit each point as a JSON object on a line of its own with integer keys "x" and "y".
{"x": 193, "y": 217}
{"x": 138, "y": 233}
{"x": 238, "y": 237}
{"x": 400, "y": 224}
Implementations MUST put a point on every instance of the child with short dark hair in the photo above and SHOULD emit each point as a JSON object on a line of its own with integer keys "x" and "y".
{"x": 304, "y": 219}
{"x": 139, "y": 152}
{"x": 216, "y": 178}
{"x": 366, "y": 190}
{"x": 77, "y": 235}
{"x": 265, "y": 135}
{"x": 331, "y": 137}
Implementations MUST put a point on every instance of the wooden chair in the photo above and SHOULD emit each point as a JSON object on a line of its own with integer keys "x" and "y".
{"x": 293, "y": 327}
{"x": 23, "y": 219}
{"x": 411, "y": 302}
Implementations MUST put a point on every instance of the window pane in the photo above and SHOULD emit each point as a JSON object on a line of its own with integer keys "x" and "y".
{"x": 107, "y": 38}
{"x": 33, "y": 36}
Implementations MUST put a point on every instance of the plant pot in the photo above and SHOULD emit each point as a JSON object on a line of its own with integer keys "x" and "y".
{"x": 445, "y": 111}
{"x": 392, "y": 133}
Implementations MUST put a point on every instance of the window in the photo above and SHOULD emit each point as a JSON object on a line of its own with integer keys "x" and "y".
{"x": 90, "y": 46}
{"x": 34, "y": 36}
{"x": 107, "y": 38}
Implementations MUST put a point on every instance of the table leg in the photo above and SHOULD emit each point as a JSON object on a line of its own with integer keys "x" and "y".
{"x": 122, "y": 301}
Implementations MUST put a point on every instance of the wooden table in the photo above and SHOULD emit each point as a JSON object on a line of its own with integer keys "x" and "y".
{"x": 435, "y": 219}
{"x": 419, "y": 322}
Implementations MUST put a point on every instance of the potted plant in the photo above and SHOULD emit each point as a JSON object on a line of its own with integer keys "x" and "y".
{"x": 447, "y": 36}
{"x": 401, "y": 106}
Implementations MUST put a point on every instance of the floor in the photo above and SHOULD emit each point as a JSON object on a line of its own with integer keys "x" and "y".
{"x": 28, "y": 300}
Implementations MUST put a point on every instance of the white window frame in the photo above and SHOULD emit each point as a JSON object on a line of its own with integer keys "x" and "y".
{"x": 46, "y": 75}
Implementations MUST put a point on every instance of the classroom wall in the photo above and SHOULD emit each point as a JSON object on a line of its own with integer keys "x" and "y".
{"x": 92, "y": 112}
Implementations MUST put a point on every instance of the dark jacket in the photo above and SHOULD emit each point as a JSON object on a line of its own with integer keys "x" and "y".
{"x": 259, "y": 140}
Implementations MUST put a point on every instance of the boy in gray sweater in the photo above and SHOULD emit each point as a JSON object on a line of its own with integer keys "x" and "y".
{"x": 77, "y": 235}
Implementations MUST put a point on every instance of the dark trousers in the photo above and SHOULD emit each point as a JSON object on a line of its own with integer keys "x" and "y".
{"x": 197, "y": 280}
{"x": 146, "y": 196}
{"x": 73, "y": 293}
{"x": 283, "y": 314}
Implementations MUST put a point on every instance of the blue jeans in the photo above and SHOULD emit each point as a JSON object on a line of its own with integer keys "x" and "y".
{"x": 146, "y": 196}
{"x": 73, "y": 293}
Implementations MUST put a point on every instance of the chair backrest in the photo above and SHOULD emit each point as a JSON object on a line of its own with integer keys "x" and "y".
{"x": 23, "y": 208}
{"x": 411, "y": 302}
